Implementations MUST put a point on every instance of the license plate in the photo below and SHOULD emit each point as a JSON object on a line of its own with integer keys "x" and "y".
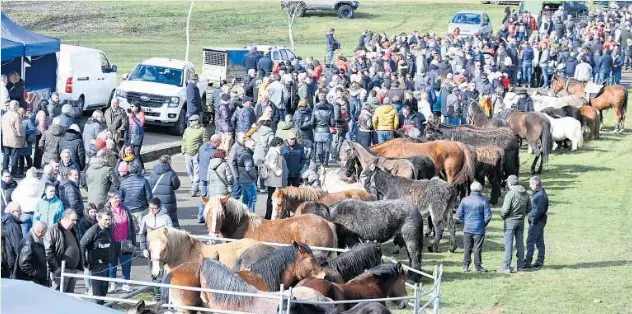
{"x": 145, "y": 109}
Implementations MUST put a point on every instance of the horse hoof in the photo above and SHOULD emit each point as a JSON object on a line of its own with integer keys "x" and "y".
{"x": 430, "y": 249}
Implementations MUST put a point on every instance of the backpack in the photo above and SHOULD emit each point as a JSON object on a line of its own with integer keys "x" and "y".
{"x": 507, "y": 61}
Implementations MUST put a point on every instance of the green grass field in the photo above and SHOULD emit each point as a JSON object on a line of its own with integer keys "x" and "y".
{"x": 589, "y": 243}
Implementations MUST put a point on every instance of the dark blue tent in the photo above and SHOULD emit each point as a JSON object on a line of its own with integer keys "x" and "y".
{"x": 38, "y": 51}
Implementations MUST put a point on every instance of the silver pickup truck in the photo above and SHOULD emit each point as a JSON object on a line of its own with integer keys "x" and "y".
{"x": 345, "y": 9}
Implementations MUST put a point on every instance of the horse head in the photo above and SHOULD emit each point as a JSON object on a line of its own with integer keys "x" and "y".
{"x": 368, "y": 181}
{"x": 214, "y": 212}
{"x": 279, "y": 205}
{"x": 398, "y": 286}
{"x": 158, "y": 249}
{"x": 557, "y": 84}
{"x": 347, "y": 151}
{"x": 305, "y": 265}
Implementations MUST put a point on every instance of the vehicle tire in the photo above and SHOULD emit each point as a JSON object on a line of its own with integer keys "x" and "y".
{"x": 109, "y": 100}
{"x": 181, "y": 124}
{"x": 81, "y": 103}
{"x": 345, "y": 11}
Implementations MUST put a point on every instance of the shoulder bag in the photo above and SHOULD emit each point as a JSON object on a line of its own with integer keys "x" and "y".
{"x": 137, "y": 137}
{"x": 229, "y": 187}
{"x": 153, "y": 190}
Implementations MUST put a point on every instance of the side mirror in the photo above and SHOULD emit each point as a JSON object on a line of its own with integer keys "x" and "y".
{"x": 113, "y": 69}
{"x": 125, "y": 76}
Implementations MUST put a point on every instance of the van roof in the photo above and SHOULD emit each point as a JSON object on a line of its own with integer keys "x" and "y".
{"x": 223, "y": 48}
{"x": 470, "y": 12}
{"x": 167, "y": 62}
{"x": 74, "y": 49}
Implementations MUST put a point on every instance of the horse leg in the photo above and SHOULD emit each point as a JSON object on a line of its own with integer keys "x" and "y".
{"x": 535, "y": 161}
{"x": 452, "y": 229}
{"x": 438, "y": 235}
{"x": 430, "y": 231}
{"x": 414, "y": 242}
{"x": 541, "y": 162}
{"x": 601, "y": 118}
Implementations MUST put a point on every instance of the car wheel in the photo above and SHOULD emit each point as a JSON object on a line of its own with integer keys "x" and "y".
{"x": 109, "y": 100}
{"x": 81, "y": 103}
{"x": 345, "y": 11}
{"x": 181, "y": 124}
{"x": 494, "y": 2}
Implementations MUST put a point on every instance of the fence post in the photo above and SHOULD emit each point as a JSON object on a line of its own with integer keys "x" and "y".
{"x": 289, "y": 300}
{"x": 437, "y": 289}
{"x": 281, "y": 298}
{"x": 416, "y": 301}
{"x": 61, "y": 277}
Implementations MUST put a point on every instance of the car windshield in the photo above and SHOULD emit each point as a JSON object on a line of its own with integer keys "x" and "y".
{"x": 156, "y": 74}
{"x": 467, "y": 18}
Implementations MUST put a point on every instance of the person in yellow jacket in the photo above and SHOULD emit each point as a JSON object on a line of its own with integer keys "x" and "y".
{"x": 385, "y": 121}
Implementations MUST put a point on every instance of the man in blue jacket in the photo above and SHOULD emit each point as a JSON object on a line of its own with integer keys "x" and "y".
{"x": 537, "y": 222}
{"x": 264, "y": 65}
{"x": 605, "y": 66}
{"x": 251, "y": 59}
{"x": 475, "y": 213}
{"x": 204, "y": 157}
{"x": 332, "y": 46}
{"x": 294, "y": 155}
{"x": 194, "y": 102}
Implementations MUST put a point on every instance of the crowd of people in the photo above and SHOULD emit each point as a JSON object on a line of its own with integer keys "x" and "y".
{"x": 273, "y": 130}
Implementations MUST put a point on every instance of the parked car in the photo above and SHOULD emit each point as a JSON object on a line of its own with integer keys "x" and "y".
{"x": 345, "y": 9}
{"x": 277, "y": 53}
{"x": 502, "y": 2}
{"x": 85, "y": 76}
{"x": 614, "y": 4}
{"x": 471, "y": 23}
{"x": 577, "y": 9}
{"x": 159, "y": 85}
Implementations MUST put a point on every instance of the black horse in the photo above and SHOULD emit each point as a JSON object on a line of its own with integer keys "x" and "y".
{"x": 566, "y": 111}
{"x": 424, "y": 166}
{"x": 350, "y": 264}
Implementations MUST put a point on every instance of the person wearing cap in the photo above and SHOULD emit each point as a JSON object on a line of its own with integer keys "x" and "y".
{"x": 192, "y": 139}
{"x": 537, "y": 221}
{"x": 515, "y": 207}
{"x": 525, "y": 103}
{"x": 332, "y": 46}
{"x": 295, "y": 158}
{"x": 475, "y": 213}
{"x": 194, "y": 101}
{"x": 249, "y": 83}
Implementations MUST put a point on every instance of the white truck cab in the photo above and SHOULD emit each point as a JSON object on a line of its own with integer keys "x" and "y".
{"x": 159, "y": 85}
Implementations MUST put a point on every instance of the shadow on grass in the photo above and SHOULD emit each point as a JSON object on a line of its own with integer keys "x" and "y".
{"x": 331, "y": 13}
{"x": 602, "y": 264}
{"x": 571, "y": 170}
{"x": 460, "y": 276}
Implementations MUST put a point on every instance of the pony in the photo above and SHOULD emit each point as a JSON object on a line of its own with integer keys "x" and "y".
{"x": 504, "y": 138}
{"x": 286, "y": 265}
{"x": 354, "y": 262}
{"x": 230, "y": 218}
{"x": 591, "y": 121}
{"x": 477, "y": 117}
{"x": 286, "y": 200}
{"x": 566, "y": 111}
{"x": 183, "y": 275}
{"x": 172, "y": 247}
{"x": 334, "y": 180}
{"x": 456, "y": 159}
{"x": 566, "y": 128}
{"x": 434, "y": 198}
{"x": 385, "y": 280}
{"x": 142, "y": 308}
{"x": 380, "y": 221}
{"x": 613, "y": 96}
{"x": 251, "y": 255}
{"x": 395, "y": 166}
{"x": 489, "y": 164}
{"x": 541, "y": 102}
{"x": 316, "y": 208}
{"x": 534, "y": 127}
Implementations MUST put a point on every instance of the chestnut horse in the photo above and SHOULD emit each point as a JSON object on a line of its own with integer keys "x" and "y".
{"x": 613, "y": 96}
{"x": 287, "y": 200}
{"x": 385, "y": 280}
{"x": 591, "y": 120}
{"x": 534, "y": 127}
{"x": 455, "y": 158}
{"x": 230, "y": 218}
{"x": 396, "y": 166}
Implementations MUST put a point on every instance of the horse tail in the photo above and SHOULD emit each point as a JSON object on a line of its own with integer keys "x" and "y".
{"x": 624, "y": 108}
{"x": 546, "y": 139}
{"x": 468, "y": 167}
{"x": 334, "y": 234}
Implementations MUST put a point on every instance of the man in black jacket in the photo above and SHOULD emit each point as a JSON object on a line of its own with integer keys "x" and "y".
{"x": 12, "y": 232}
{"x": 96, "y": 247}
{"x": 69, "y": 192}
{"x": 537, "y": 222}
{"x": 31, "y": 262}
{"x": 194, "y": 102}
{"x": 61, "y": 244}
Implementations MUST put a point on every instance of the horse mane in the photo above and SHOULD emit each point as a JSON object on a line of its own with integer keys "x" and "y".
{"x": 379, "y": 271}
{"x": 355, "y": 261}
{"x": 302, "y": 194}
{"x": 503, "y": 137}
{"x": 236, "y": 208}
{"x": 272, "y": 266}
{"x": 177, "y": 240}
{"x": 489, "y": 154}
{"x": 220, "y": 277}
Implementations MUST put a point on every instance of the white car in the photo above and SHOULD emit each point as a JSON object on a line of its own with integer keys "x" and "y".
{"x": 471, "y": 23}
{"x": 159, "y": 85}
{"x": 85, "y": 75}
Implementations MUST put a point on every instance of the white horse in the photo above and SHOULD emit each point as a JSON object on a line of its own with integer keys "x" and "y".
{"x": 566, "y": 128}
{"x": 541, "y": 102}
{"x": 333, "y": 180}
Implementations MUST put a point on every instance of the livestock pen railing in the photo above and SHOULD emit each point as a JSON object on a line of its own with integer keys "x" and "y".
{"x": 284, "y": 297}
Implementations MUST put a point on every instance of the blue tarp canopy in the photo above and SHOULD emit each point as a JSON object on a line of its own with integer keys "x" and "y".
{"x": 34, "y": 44}
{"x": 11, "y": 49}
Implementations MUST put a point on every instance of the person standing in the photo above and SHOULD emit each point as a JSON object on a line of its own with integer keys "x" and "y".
{"x": 50, "y": 208}
{"x": 194, "y": 101}
{"x": 385, "y": 121}
{"x": 251, "y": 59}
{"x": 123, "y": 240}
{"x": 365, "y": 126}
{"x": 525, "y": 103}
{"x": 17, "y": 89}
{"x": 12, "y": 233}
{"x": 7, "y": 186}
{"x": 583, "y": 71}
{"x": 42, "y": 123}
{"x": 116, "y": 122}
{"x": 154, "y": 220}
{"x": 91, "y": 130}
{"x": 205, "y": 155}
{"x": 96, "y": 247}
{"x": 24, "y": 153}
{"x": 304, "y": 128}
{"x": 100, "y": 178}
{"x": 244, "y": 117}
{"x": 605, "y": 67}
{"x": 537, "y": 222}
{"x": 247, "y": 174}
{"x": 233, "y": 161}
{"x": 31, "y": 260}
{"x": 219, "y": 175}
{"x": 88, "y": 220}
{"x": 136, "y": 132}
{"x": 262, "y": 138}
{"x": 135, "y": 191}
{"x": 61, "y": 244}
{"x": 617, "y": 66}
{"x": 49, "y": 143}
{"x": 194, "y": 136}
{"x": 70, "y": 194}
{"x": 294, "y": 155}
{"x": 515, "y": 208}
{"x": 322, "y": 121}
{"x": 13, "y": 137}
{"x": 276, "y": 171}
{"x": 332, "y": 46}
{"x": 164, "y": 182}
{"x": 475, "y": 213}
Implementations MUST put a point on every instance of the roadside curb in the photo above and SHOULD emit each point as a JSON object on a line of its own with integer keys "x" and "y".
{"x": 153, "y": 152}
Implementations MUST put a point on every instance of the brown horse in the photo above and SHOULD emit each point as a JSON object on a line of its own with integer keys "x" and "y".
{"x": 591, "y": 120}
{"x": 183, "y": 275}
{"x": 477, "y": 117}
{"x": 455, "y": 158}
{"x": 230, "y": 218}
{"x": 386, "y": 280}
{"x": 287, "y": 200}
{"x": 396, "y": 166}
{"x": 613, "y": 96}
{"x": 536, "y": 128}
{"x": 316, "y": 208}
{"x": 172, "y": 247}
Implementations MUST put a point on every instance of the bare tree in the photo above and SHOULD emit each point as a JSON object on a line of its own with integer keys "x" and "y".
{"x": 186, "y": 54}
{"x": 293, "y": 10}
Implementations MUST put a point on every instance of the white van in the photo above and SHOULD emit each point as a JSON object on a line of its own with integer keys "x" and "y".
{"x": 86, "y": 75}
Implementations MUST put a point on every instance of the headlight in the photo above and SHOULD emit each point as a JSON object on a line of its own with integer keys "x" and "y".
{"x": 121, "y": 93}
{"x": 172, "y": 102}
{"x": 175, "y": 100}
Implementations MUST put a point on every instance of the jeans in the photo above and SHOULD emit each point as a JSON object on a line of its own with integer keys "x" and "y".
{"x": 514, "y": 230}
{"x": 545, "y": 76}
{"x": 603, "y": 77}
{"x": 27, "y": 222}
{"x": 204, "y": 192}
{"x": 454, "y": 120}
{"x": 383, "y": 136}
{"x": 236, "y": 193}
{"x": 472, "y": 241}
{"x": 193, "y": 171}
{"x": 330, "y": 57}
{"x": 527, "y": 72}
{"x": 353, "y": 130}
{"x": 269, "y": 208}
{"x": 338, "y": 138}
{"x": 616, "y": 77}
{"x": 10, "y": 159}
{"x": 365, "y": 138}
{"x": 535, "y": 238}
{"x": 126, "y": 266}
{"x": 250, "y": 195}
